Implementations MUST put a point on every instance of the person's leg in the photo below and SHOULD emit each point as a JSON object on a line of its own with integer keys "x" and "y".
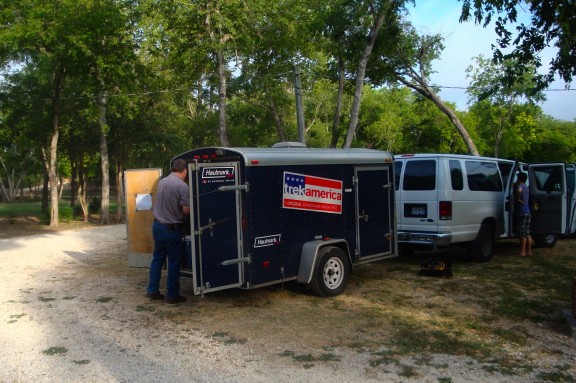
{"x": 159, "y": 234}
{"x": 523, "y": 246}
{"x": 174, "y": 250}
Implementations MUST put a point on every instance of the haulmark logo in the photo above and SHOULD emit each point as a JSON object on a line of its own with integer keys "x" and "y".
{"x": 218, "y": 172}
{"x": 268, "y": 240}
{"x": 218, "y": 175}
{"x": 304, "y": 192}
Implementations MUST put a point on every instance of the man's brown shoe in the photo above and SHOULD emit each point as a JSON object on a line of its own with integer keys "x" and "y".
{"x": 155, "y": 296}
{"x": 176, "y": 299}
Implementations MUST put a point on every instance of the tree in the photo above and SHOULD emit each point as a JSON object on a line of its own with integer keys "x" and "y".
{"x": 413, "y": 68}
{"x": 551, "y": 24}
{"x": 57, "y": 35}
{"x": 503, "y": 104}
{"x": 372, "y": 16}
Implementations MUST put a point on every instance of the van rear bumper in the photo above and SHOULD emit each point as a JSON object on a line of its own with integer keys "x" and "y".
{"x": 423, "y": 238}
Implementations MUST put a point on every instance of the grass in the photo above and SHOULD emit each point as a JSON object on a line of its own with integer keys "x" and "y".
{"x": 32, "y": 208}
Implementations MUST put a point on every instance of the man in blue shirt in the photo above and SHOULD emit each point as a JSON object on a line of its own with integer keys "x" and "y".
{"x": 170, "y": 208}
{"x": 522, "y": 214}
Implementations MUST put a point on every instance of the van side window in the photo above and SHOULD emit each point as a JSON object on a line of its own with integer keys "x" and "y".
{"x": 420, "y": 175}
{"x": 397, "y": 171}
{"x": 456, "y": 175}
{"x": 483, "y": 176}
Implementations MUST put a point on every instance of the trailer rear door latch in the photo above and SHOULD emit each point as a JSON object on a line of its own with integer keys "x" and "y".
{"x": 210, "y": 226}
{"x": 236, "y": 261}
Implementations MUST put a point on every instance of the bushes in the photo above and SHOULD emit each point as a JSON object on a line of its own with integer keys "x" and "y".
{"x": 65, "y": 214}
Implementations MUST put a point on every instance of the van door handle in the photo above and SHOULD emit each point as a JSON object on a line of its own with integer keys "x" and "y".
{"x": 364, "y": 215}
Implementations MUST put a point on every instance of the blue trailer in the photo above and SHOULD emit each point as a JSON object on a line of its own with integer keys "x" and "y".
{"x": 262, "y": 216}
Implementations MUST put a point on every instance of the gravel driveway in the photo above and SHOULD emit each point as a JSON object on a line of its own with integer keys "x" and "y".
{"x": 65, "y": 317}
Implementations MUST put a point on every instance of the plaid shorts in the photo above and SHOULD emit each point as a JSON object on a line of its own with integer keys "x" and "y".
{"x": 523, "y": 225}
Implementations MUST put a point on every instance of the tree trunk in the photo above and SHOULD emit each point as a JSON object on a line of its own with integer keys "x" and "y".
{"x": 73, "y": 182}
{"x": 105, "y": 166}
{"x": 422, "y": 88}
{"x": 82, "y": 187}
{"x": 119, "y": 193}
{"x": 59, "y": 76}
{"x": 360, "y": 75}
{"x": 337, "y": 111}
{"x": 277, "y": 119}
{"x": 222, "y": 132}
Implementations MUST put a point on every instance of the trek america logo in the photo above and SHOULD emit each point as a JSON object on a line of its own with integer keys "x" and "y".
{"x": 303, "y": 192}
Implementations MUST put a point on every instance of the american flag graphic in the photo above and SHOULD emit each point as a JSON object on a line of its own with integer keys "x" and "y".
{"x": 304, "y": 192}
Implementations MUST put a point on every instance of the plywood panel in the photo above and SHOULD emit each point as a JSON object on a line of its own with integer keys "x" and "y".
{"x": 140, "y": 182}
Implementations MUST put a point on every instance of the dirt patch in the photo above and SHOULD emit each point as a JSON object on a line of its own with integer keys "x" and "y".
{"x": 75, "y": 311}
{"x": 25, "y": 226}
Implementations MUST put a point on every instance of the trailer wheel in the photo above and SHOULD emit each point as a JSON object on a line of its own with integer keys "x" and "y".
{"x": 331, "y": 273}
{"x": 482, "y": 248}
{"x": 545, "y": 240}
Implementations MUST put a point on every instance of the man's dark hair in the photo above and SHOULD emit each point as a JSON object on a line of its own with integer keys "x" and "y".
{"x": 178, "y": 166}
{"x": 522, "y": 176}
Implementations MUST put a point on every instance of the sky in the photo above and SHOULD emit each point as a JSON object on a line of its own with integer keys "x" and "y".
{"x": 463, "y": 42}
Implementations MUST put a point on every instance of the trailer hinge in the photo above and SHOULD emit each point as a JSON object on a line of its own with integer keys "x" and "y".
{"x": 235, "y": 261}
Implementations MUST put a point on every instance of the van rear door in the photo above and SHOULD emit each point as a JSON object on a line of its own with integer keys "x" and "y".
{"x": 418, "y": 196}
{"x": 548, "y": 198}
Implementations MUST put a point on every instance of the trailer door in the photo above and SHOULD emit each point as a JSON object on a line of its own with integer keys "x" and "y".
{"x": 374, "y": 212}
{"x": 548, "y": 193}
{"x": 216, "y": 235}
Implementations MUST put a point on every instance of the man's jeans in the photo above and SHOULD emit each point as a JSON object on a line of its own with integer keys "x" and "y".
{"x": 167, "y": 244}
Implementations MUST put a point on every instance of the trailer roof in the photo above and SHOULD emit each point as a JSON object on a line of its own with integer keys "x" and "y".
{"x": 295, "y": 155}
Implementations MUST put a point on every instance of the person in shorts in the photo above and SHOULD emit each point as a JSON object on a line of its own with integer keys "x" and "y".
{"x": 522, "y": 214}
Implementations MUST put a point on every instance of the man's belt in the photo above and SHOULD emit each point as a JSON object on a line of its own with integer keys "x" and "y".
{"x": 170, "y": 225}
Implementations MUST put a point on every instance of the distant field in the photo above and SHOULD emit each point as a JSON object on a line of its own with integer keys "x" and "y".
{"x": 33, "y": 208}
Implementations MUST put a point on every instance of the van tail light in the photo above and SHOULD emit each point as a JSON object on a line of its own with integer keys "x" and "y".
{"x": 445, "y": 210}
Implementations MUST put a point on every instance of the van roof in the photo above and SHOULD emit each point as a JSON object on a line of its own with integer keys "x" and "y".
{"x": 455, "y": 156}
{"x": 292, "y": 155}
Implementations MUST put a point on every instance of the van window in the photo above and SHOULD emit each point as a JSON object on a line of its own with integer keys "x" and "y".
{"x": 483, "y": 176}
{"x": 420, "y": 175}
{"x": 397, "y": 171}
{"x": 456, "y": 175}
{"x": 548, "y": 179}
{"x": 505, "y": 170}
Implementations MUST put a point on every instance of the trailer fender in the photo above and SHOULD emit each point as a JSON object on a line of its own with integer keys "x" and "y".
{"x": 309, "y": 257}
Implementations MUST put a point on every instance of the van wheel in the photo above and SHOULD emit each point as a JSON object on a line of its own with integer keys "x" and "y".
{"x": 331, "y": 273}
{"x": 545, "y": 240}
{"x": 482, "y": 248}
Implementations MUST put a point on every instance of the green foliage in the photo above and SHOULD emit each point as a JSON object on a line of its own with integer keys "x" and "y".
{"x": 65, "y": 214}
{"x": 156, "y": 61}
{"x": 551, "y": 23}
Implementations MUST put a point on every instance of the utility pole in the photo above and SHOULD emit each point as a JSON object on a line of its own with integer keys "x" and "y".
{"x": 299, "y": 108}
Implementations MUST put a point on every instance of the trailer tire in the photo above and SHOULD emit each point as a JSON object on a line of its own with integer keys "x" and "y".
{"x": 545, "y": 240}
{"x": 331, "y": 272}
{"x": 482, "y": 248}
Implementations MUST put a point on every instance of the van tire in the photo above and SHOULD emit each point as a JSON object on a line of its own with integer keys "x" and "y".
{"x": 482, "y": 248}
{"x": 331, "y": 272}
{"x": 545, "y": 240}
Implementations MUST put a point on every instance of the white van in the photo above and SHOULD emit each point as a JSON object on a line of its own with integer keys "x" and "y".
{"x": 444, "y": 200}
